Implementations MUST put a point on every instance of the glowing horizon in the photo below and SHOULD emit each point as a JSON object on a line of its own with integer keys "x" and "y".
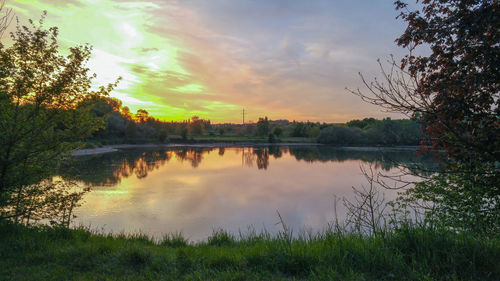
{"x": 281, "y": 59}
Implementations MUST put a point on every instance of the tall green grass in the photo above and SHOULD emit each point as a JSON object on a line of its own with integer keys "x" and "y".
{"x": 406, "y": 253}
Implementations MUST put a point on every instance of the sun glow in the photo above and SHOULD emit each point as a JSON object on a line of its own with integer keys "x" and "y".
{"x": 178, "y": 59}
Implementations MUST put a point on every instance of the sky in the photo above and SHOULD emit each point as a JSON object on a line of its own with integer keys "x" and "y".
{"x": 284, "y": 59}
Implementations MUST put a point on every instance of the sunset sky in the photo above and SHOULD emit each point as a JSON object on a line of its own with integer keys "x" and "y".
{"x": 285, "y": 59}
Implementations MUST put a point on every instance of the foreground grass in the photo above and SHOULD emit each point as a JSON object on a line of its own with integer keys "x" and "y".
{"x": 41, "y": 253}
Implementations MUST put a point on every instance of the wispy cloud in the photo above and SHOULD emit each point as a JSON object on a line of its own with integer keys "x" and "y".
{"x": 284, "y": 59}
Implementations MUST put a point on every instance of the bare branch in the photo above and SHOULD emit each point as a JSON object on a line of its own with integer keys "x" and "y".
{"x": 6, "y": 16}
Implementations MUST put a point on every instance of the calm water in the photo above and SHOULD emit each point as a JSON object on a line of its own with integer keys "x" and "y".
{"x": 195, "y": 190}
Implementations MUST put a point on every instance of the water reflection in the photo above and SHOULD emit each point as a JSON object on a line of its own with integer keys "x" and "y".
{"x": 109, "y": 169}
{"x": 52, "y": 201}
{"x": 195, "y": 189}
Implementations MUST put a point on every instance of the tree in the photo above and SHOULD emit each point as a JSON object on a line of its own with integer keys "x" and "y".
{"x": 142, "y": 115}
{"x": 221, "y": 131}
{"x": 162, "y": 135}
{"x": 40, "y": 116}
{"x": 455, "y": 90}
{"x": 5, "y": 17}
{"x": 125, "y": 111}
{"x": 263, "y": 127}
{"x": 298, "y": 129}
{"x": 197, "y": 125}
{"x": 184, "y": 132}
{"x": 277, "y": 131}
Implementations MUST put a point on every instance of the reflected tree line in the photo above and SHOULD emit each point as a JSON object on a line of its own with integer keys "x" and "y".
{"x": 109, "y": 169}
{"x": 54, "y": 200}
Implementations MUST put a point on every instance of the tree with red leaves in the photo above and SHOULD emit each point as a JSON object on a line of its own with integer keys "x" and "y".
{"x": 453, "y": 87}
{"x": 461, "y": 75}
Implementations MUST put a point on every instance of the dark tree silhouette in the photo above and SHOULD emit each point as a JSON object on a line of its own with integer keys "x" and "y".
{"x": 456, "y": 88}
{"x": 455, "y": 91}
{"x": 40, "y": 116}
{"x": 263, "y": 127}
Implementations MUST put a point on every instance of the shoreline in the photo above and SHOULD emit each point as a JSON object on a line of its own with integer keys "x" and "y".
{"x": 117, "y": 147}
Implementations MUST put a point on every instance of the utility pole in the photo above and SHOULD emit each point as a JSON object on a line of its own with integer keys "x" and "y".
{"x": 243, "y": 116}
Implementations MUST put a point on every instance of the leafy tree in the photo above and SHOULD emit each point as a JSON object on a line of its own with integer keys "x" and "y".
{"x": 221, "y": 131}
{"x": 197, "y": 126}
{"x": 461, "y": 74}
{"x": 277, "y": 131}
{"x": 298, "y": 129}
{"x": 142, "y": 115}
{"x": 184, "y": 133}
{"x": 125, "y": 111}
{"x": 313, "y": 131}
{"x": 340, "y": 135}
{"x": 263, "y": 127}
{"x": 362, "y": 124}
{"x": 454, "y": 89}
{"x": 116, "y": 124}
{"x": 40, "y": 116}
{"x": 131, "y": 130}
{"x": 162, "y": 136}
{"x": 376, "y": 132}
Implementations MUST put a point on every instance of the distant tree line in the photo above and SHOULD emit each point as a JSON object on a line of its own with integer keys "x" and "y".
{"x": 370, "y": 131}
{"x": 122, "y": 126}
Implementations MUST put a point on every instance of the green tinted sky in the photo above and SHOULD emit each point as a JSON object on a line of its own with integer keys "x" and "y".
{"x": 284, "y": 59}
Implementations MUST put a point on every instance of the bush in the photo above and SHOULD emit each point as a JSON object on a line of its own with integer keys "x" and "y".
{"x": 340, "y": 135}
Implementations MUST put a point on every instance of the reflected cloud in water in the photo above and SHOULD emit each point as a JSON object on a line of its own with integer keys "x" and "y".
{"x": 108, "y": 169}
{"x": 197, "y": 189}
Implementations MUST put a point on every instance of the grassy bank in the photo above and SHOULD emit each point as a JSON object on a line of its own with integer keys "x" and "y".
{"x": 195, "y": 140}
{"x": 37, "y": 253}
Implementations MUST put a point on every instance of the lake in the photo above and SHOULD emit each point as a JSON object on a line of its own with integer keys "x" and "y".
{"x": 194, "y": 190}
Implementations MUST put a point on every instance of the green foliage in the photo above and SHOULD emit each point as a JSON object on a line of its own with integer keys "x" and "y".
{"x": 277, "y": 131}
{"x": 263, "y": 127}
{"x": 373, "y": 132}
{"x": 461, "y": 199}
{"x": 184, "y": 133}
{"x": 142, "y": 115}
{"x": 42, "y": 107}
{"x": 460, "y": 72}
{"x": 340, "y": 135}
{"x": 198, "y": 126}
{"x": 221, "y": 131}
{"x": 407, "y": 253}
{"x": 163, "y": 136}
{"x": 220, "y": 237}
{"x": 362, "y": 124}
{"x": 298, "y": 130}
{"x": 121, "y": 128}
{"x": 136, "y": 257}
{"x": 453, "y": 88}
